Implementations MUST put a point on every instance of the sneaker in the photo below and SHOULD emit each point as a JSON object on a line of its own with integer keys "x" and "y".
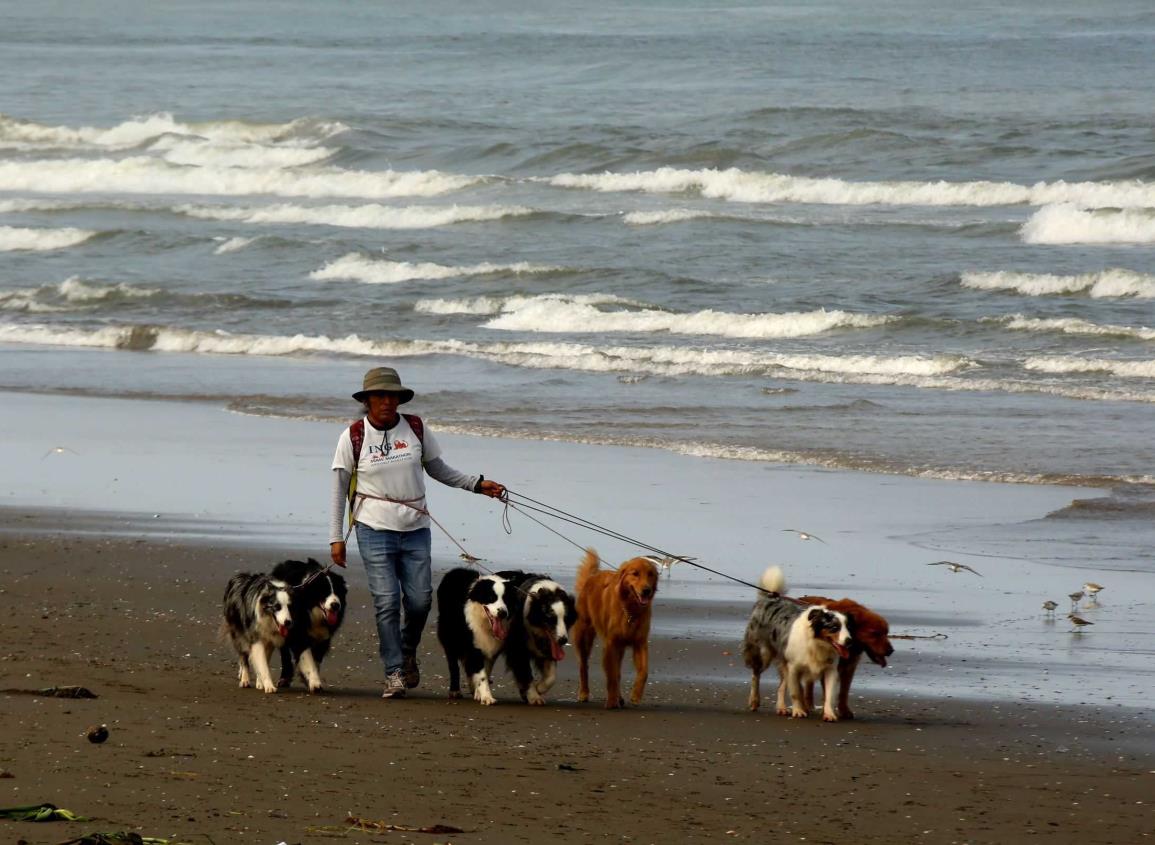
{"x": 394, "y": 685}
{"x": 411, "y": 672}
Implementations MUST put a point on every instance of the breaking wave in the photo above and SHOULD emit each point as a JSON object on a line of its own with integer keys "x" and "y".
{"x": 562, "y": 314}
{"x": 488, "y": 305}
{"x": 1069, "y": 364}
{"x": 145, "y": 175}
{"x": 254, "y": 156}
{"x": 1072, "y": 325}
{"x": 372, "y": 216}
{"x": 939, "y": 372}
{"x": 40, "y": 240}
{"x": 743, "y": 186}
{"x": 233, "y": 245}
{"x": 1068, "y": 224}
{"x": 1108, "y": 283}
{"x": 655, "y": 218}
{"x": 357, "y": 268}
{"x": 132, "y": 133}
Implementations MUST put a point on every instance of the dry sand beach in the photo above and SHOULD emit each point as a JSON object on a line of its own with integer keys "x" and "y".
{"x": 970, "y": 739}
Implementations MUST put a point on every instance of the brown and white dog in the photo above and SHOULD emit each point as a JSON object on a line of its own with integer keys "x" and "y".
{"x": 616, "y": 607}
{"x": 804, "y": 642}
{"x": 869, "y": 635}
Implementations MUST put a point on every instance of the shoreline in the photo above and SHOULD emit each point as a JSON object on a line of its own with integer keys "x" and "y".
{"x": 688, "y": 763}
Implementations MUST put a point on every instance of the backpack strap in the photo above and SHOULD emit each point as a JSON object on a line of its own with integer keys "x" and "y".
{"x": 357, "y": 437}
{"x": 418, "y": 426}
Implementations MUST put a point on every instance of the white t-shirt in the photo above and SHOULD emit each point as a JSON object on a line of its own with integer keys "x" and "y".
{"x": 391, "y": 465}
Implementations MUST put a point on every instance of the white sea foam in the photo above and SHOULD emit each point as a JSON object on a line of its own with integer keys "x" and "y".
{"x": 68, "y": 295}
{"x": 1069, "y": 224}
{"x": 672, "y": 215}
{"x": 1073, "y": 325}
{"x": 355, "y": 267}
{"x": 40, "y": 240}
{"x": 743, "y": 186}
{"x": 562, "y": 314}
{"x": 146, "y": 175}
{"x": 486, "y": 305}
{"x": 371, "y": 216}
{"x": 940, "y": 372}
{"x": 1108, "y": 283}
{"x": 1062, "y": 364}
{"x": 232, "y": 245}
{"x": 254, "y": 156}
{"x": 134, "y": 132}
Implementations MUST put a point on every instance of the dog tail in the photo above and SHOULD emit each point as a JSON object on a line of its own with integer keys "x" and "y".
{"x": 586, "y": 571}
{"x": 773, "y": 581}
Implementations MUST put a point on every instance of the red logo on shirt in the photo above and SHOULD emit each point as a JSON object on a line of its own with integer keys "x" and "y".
{"x": 400, "y": 444}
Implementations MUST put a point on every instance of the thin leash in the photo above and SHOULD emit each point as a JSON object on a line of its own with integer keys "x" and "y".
{"x": 471, "y": 559}
{"x": 573, "y": 519}
{"x": 465, "y": 555}
{"x": 581, "y": 522}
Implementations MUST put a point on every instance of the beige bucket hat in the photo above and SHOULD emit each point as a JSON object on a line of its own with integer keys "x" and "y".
{"x": 384, "y": 379}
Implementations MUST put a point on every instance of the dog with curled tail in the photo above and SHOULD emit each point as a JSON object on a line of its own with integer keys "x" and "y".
{"x": 614, "y": 606}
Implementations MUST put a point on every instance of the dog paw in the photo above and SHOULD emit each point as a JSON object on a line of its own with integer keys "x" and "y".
{"x": 455, "y": 693}
{"x": 534, "y": 697}
{"x": 487, "y": 700}
{"x": 798, "y": 713}
{"x": 829, "y": 717}
{"x": 315, "y": 688}
{"x": 753, "y": 706}
{"x": 284, "y": 683}
{"x": 583, "y": 697}
{"x": 244, "y": 683}
{"x": 267, "y": 686}
{"x": 845, "y": 714}
{"x": 782, "y": 711}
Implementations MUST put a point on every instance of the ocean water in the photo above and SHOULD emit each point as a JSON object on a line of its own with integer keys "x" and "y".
{"x": 910, "y": 237}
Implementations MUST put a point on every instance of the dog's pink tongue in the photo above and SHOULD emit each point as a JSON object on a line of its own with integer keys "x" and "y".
{"x": 556, "y": 650}
{"x": 331, "y": 617}
{"x": 498, "y": 627}
{"x": 284, "y": 630}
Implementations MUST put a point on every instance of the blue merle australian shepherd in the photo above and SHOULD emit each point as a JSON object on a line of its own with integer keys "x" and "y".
{"x": 804, "y": 642}
{"x": 257, "y": 620}
{"x": 317, "y": 602}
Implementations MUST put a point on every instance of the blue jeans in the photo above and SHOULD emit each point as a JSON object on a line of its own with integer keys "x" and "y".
{"x": 399, "y": 566}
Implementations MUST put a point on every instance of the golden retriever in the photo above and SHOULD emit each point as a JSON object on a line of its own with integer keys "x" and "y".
{"x": 616, "y": 607}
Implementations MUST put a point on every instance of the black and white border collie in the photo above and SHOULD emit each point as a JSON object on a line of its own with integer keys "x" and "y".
{"x": 543, "y": 614}
{"x": 257, "y": 620}
{"x": 317, "y": 602}
{"x": 803, "y": 641}
{"x": 472, "y": 624}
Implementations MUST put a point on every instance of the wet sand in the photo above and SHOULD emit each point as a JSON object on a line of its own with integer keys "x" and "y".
{"x": 193, "y": 758}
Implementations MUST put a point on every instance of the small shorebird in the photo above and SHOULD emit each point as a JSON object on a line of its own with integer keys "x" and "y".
{"x": 59, "y": 450}
{"x": 955, "y": 567}
{"x": 667, "y": 562}
{"x": 1078, "y": 622}
{"x": 1092, "y": 589}
{"x": 1050, "y": 606}
{"x": 805, "y": 535}
{"x": 1075, "y": 599}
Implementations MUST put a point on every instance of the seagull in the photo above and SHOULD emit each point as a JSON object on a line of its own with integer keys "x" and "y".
{"x": 1078, "y": 622}
{"x": 60, "y": 450}
{"x": 955, "y": 567}
{"x": 667, "y": 562}
{"x": 1075, "y": 597}
{"x": 804, "y": 535}
{"x": 468, "y": 558}
{"x": 1092, "y": 589}
{"x": 1050, "y": 606}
